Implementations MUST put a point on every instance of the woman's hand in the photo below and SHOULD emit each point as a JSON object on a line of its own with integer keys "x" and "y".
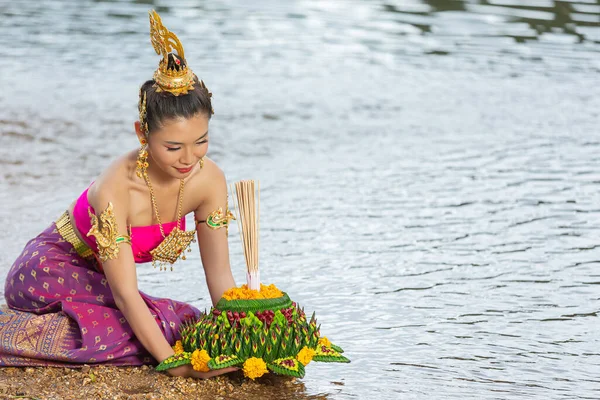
{"x": 188, "y": 372}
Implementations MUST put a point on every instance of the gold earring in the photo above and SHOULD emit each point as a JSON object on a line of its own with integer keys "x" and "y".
{"x": 142, "y": 160}
{"x": 201, "y": 162}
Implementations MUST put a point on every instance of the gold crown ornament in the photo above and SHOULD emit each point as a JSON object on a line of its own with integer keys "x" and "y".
{"x": 178, "y": 79}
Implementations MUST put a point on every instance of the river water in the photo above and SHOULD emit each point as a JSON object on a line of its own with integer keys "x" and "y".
{"x": 428, "y": 170}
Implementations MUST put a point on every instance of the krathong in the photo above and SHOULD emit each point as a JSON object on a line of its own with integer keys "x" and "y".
{"x": 255, "y": 327}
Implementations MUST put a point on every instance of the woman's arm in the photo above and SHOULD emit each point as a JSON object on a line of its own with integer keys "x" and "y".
{"x": 214, "y": 248}
{"x": 120, "y": 272}
{"x": 122, "y": 278}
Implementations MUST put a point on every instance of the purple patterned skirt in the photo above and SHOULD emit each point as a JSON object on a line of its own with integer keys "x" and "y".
{"x": 62, "y": 313}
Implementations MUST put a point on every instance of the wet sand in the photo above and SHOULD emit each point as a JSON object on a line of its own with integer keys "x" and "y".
{"x": 139, "y": 383}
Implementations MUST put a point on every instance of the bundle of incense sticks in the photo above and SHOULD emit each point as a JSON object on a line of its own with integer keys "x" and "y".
{"x": 247, "y": 201}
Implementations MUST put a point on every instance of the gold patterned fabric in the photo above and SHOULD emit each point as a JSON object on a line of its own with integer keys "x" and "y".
{"x": 31, "y": 335}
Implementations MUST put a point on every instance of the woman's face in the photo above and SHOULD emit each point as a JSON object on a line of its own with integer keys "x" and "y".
{"x": 179, "y": 145}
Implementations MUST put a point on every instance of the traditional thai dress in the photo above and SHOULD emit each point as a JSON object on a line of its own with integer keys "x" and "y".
{"x": 61, "y": 309}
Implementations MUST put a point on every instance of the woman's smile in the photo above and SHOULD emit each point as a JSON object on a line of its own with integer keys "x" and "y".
{"x": 184, "y": 170}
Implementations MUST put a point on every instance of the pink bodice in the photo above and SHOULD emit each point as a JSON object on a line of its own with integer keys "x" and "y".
{"x": 143, "y": 238}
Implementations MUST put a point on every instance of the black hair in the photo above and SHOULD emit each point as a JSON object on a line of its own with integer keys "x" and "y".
{"x": 163, "y": 106}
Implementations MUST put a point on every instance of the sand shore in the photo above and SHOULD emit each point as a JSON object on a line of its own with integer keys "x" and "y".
{"x": 139, "y": 383}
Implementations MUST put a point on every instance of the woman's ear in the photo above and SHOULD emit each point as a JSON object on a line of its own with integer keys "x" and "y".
{"x": 138, "y": 131}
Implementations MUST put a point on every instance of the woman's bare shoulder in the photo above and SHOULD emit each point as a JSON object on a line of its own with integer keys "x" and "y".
{"x": 212, "y": 170}
{"x": 114, "y": 182}
{"x": 209, "y": 181}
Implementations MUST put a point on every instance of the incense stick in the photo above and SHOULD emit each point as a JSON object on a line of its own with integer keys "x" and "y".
{"x": 247, "y": 200}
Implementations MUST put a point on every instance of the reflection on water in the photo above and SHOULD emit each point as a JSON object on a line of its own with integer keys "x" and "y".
{"x": 428, "y": 167}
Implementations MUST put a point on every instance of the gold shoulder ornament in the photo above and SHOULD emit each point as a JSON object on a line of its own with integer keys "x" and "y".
{"x": 106, "y": 233}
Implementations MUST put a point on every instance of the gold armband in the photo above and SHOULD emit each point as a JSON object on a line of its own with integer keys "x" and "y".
{"x": 218, "y": 219}
{"x": 106, "y": 233}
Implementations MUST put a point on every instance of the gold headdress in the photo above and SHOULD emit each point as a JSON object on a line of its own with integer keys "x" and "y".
{"x": 178, "y": 79}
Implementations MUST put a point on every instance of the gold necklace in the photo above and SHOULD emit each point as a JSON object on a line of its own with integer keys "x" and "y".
{"x": 173, "y": 246}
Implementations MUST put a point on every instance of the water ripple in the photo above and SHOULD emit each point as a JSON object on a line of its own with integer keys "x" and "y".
{"x": 428, "y": 165}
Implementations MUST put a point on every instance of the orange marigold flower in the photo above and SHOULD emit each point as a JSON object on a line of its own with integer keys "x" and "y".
{"x": 254, "y": 368}
{"x": 178, "y": 347}
{"x": 200, "y": 359}
{"x": 243, "y": 293}
{"x": 305, "y": 355}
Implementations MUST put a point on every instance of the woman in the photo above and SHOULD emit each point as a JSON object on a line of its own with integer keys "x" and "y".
{"x": 73, "y": 292}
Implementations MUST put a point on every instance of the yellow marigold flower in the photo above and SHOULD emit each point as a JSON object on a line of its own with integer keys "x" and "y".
{"x": 200, "y": 359}
{"x": 324, "y": 342}
{"x": 243, "y": 293}
{"x": 178, "y": 347}
{"x": 255, "y": 368}
{"x": 305, "y": 355}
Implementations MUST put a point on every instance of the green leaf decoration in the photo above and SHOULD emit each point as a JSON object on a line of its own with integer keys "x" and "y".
{"x": 297, "y": 342}
{"x": 339, "y": 358}
{"x": 211, "y": 331}
{"x": 304, "y": 336}
{"x": 200, "y": 335}
{"x": 225, "y": 321}
{"x": 327, "y": 354}
{"x": 286, "y": 337}
{"x": 274, "y": 339}
{"x": 314, "y": 339}
{"x": 175, "y": 360}
{"x": 304, "y": 330}
{"x": 232, "y": 335}
{"x": 269, "y": 354}
{"x": 277, "y": 342}
{"x": 283, "y": 349}
{"x": 262, "y": 339}
{"x": 287, "y": 366}
{"x": 242, "y": 333}
{"x": 225, "y": 346}
{"x": 237, "y": 347}
{"x": 254, "y": 305}
{"x": 214, "y": 346}
{"x": 254, "y": 349}
{"x": 222, "y": 331}
{"x": 337, "y": 348}
{"x": 224, "y": 361}
{"x": 279, "y": 318}
{"x": 190, "y": 346}
{"x": 246, "y": 345}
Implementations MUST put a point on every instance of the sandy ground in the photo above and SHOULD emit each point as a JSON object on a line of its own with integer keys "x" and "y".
{"x": 139, "y": 383}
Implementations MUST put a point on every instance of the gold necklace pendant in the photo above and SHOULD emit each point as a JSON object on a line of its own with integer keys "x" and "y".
{"x": 172, "y": 248}
{"x": 174, "y": 245}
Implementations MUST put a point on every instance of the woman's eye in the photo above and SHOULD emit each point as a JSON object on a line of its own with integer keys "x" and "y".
{"x": 202, "y": 142}
{"x": 172, "y": 148}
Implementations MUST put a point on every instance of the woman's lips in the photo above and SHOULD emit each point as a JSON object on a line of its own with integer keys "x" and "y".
{"x": 184, "y": 170}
